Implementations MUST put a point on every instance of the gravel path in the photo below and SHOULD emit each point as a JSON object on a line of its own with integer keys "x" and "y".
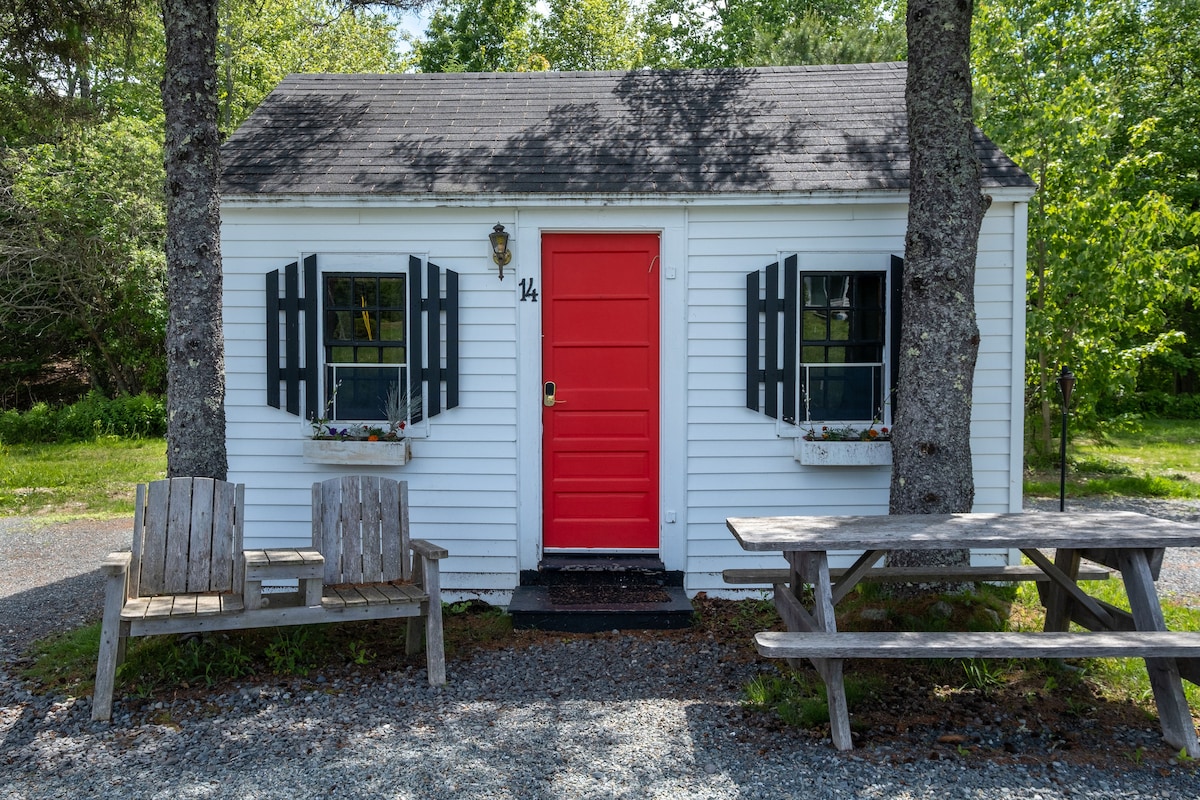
{"x": 607, "y": 716}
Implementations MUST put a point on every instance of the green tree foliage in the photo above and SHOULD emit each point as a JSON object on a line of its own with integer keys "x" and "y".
{"x": 716, "y": 33}
{"x": 590, "y": 35}
{"x": 1063, "y": 89}
{"x": 262, "y": 41}
{"x": 81, "y": 263}
{"x": 49, "y": 61}
{"x": 82, "y": 269}
{"x": 816, "y": 39}
{"x": 480, "y": 36}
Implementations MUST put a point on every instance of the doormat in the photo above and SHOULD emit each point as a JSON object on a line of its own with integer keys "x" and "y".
{"x": 587, "y": 595}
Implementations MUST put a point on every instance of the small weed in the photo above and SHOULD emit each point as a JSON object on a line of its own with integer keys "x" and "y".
{"x": 1137, "y": 756}
{"x": 983, "y": 675}
{"x": 359, "y": 653}
{"x": 292, "y": 652}
{"x": 799, "y": 699}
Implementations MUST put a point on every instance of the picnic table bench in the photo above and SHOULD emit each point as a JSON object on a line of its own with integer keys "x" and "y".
{"x": 1129, "y": 543}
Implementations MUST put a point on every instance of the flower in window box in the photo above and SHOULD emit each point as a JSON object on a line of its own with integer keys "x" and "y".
{"x": 848, "y": 433}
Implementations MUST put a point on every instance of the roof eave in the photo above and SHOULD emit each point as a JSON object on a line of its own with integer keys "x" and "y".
{"x": 375, "y": 200}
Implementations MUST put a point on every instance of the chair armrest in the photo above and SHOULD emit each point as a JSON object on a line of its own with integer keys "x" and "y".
{"x": 428, "y": 549}
{"x": 116, "y": 563}
{"x": 283, "y": 562}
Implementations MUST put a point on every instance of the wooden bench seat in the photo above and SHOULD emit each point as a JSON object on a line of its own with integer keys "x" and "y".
{"x": 1022, "y": 572}
{"x": 989, "y": 644}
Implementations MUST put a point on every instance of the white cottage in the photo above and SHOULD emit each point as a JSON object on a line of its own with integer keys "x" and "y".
{"x": 704, "y": 264}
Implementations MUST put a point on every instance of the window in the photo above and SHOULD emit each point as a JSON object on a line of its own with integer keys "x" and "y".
{"x": 366, "y": 346}
{"x": 819, "y": 340}
{"x": 842, "y": 339}
{"x": 381, "y": 330}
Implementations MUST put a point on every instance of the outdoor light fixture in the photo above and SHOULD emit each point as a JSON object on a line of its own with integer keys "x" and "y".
{"x": 500, "y": 252}
{"x": 1066, "y": 384}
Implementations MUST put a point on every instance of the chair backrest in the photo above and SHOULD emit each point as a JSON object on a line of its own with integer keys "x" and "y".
{"x": 360, "y": 525}
{"x": 187, "y": 537}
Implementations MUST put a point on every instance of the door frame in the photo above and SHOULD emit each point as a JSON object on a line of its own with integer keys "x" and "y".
{"x": 671, "y": 226}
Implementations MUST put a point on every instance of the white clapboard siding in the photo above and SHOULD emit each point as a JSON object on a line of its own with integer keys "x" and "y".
{"x": 474, "y": 475}
{"x": 737, "y": 459}
{"x": 462, "y": 479}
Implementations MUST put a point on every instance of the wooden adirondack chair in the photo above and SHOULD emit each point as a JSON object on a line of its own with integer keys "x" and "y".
{"x": 185, "y": 571}
{"x": 373, "y": 570}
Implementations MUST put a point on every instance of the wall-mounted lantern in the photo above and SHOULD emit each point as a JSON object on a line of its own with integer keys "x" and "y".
{"x": 500, "y": 252}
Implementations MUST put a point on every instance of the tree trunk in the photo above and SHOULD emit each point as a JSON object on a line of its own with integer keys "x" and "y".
{"x": 939, "y": 340}
{"x": 195, "y": 347}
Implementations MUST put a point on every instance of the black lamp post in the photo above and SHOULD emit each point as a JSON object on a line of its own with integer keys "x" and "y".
{"x": 1066, "y": 384}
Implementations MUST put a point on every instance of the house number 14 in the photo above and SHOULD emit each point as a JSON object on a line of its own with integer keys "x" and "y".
{"x": 527, "y": 291}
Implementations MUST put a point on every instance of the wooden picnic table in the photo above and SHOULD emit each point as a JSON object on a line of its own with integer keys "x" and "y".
{"x": 1128, "y": 542}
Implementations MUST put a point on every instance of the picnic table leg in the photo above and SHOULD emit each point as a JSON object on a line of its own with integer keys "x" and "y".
{"x": 1055, "y": 599}
{"x": 830, "y": 669}
{"x": 1173, "y": 712}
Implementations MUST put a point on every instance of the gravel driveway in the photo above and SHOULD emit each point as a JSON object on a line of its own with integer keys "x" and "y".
{"x": 607, "y": 716}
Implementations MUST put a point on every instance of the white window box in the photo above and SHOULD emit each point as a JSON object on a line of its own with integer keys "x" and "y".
{"x": 356, "y": 452}
{"x": 827, "y": 453}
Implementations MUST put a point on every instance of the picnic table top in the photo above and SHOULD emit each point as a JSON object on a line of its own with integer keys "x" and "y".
{"x": 1109, "y": 529}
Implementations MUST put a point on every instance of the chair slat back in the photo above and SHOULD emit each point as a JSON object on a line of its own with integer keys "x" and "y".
{"x": 360, "y": 525}
{"x": 188, "y": 537}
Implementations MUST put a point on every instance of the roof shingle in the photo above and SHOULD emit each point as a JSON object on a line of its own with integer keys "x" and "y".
{"x": 766, "y": 129}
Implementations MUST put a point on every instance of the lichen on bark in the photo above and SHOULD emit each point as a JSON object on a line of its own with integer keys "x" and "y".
{"x": 931, "y": 447}
{"x": 195, "y": 343}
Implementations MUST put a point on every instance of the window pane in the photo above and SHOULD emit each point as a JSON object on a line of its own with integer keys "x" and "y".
{"x": 391, "y": 326}
{"x": 393, "y": 355}
{"x": 342, "y": 354}
{"x": 366, "y": 355}
{"x": 339, "y": 326}
{"x": 815, "y": 327}
{"x": 337, "y": 291}
{"x": 843, "y": 393}
{"x": 391, "y": 292}
{"x": 362, "y": 392}
{"x": 366, "y": 293}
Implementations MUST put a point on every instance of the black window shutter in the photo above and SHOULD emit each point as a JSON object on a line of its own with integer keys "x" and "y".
{"x": 754, "y": 307}
{"x": 292, "y": 305}
{"x": 896, "y": 287}
{"x": 416, "y": 335}
{"x": 440, "y": 316}
{"x": 778, "y": 374}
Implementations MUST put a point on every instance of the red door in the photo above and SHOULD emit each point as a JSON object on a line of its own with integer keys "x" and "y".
{"x": 600, "y": 358}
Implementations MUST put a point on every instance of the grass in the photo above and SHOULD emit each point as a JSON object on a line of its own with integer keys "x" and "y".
{"x": 1156, "y": 458}
{"x": 87, "y": 479}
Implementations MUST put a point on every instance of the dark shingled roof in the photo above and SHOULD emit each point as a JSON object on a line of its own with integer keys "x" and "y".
{"x": 770, "y": 129}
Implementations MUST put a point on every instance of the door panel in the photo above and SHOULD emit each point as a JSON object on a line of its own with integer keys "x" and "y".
{"x": 600, "y": 347}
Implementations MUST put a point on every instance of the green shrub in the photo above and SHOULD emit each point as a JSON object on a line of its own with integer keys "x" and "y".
{"x": 129, "y": 417}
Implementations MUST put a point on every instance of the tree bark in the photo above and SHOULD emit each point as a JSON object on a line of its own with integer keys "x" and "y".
{"x": 939, "y": 339}
{"x": 195, "y": 346}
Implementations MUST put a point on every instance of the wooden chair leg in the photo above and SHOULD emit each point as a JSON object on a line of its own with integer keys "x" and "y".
{"x": 112, "y": 649}
{"x": 435, "y": 648}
